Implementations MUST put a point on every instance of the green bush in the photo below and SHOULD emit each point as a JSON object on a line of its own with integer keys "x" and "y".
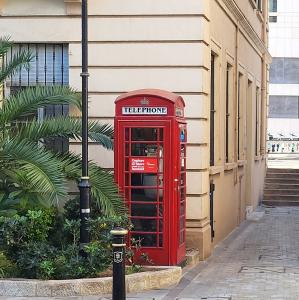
{"x": 45, "y": 245}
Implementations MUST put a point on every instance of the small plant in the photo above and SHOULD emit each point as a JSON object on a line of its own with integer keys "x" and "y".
{"x": 131, "y": 251}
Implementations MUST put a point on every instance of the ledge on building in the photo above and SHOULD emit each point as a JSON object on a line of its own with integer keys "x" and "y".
{"x": 216, "y": 170}
{"x": 242, "y": 163}
{"x": 230, "y": 166}
{"x": 258, "y": 157}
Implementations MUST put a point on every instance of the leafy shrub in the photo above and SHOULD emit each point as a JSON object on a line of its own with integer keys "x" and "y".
{"x": 44, "y": 244}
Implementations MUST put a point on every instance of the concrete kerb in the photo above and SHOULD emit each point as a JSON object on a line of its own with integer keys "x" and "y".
{"x": 154, "y": 278}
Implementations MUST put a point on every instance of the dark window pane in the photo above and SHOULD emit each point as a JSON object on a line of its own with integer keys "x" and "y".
{"x": 161, "y": 225}
{"x": 144, "y": 225}
{"x": 127, "y": 133}
{"x": 273, "y": 5}
{"x": 160, "y": 240}
{"x": 127, "y": 149}
{"x": 142, "y": 149}
{"x": 141, "y": 179}
{"x": 212, "y": 110}
{"x": 147, "y": 195}
{"x": 144, "y": 134}
{"x": 161, "y": 134}
{"x": 144, "y": 210}
{"x": 273, "y": 19}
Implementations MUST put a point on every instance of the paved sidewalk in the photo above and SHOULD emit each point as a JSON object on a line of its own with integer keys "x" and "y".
{"x": 283, "y": 160}
{"x": 258, "y": 261}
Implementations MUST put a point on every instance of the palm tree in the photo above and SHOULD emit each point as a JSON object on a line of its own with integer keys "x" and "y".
{"x": 31, "y": 173}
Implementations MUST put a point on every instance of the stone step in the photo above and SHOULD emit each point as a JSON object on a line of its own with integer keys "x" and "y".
{"x": 277, "y": 170}
{"x": 285, "y": 191}
{"x": 280, "y": 202}
{"x": 282, "y": 175}
{"x": 273, "y": 185}
{"x": 282, "y": 180}
{"x": 281, "y": 197}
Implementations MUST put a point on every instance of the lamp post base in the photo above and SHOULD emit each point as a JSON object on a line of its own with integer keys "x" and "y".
{"x": 84, "y": 187}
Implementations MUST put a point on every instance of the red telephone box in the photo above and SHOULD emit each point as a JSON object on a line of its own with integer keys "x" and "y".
{"x": 150, "y": 168}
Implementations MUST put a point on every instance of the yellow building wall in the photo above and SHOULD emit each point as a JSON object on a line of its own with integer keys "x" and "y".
{"x": 163, "y": 44}
{"x": 239, "y": 183}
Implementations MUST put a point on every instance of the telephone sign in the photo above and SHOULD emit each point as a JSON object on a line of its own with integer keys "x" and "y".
{"x": 144, "y": 110}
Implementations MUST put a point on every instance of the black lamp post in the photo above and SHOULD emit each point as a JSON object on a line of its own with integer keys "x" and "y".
{"x": 84, "y": 185}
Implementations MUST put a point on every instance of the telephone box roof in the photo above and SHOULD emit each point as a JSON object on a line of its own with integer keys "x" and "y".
{"x": 152, "y": 92}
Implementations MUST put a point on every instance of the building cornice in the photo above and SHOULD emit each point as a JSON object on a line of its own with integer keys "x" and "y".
{"x": 73, "y": 7}
{"x": 245, "y": 25}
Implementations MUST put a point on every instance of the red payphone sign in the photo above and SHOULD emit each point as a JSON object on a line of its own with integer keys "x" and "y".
{"x": 144, "y": 165}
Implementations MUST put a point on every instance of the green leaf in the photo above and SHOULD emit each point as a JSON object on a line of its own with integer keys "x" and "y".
{"x": 67, "y": 127}
{"x": 40, "y": 168}
{"x": 19, "y": 60}
{"x": 27, "y": 101}
{"x": 103, "y": 188}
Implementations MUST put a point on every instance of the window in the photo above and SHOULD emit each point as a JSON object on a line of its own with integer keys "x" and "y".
{"x": 257, "y": 120}
{"x": 50, "y": 66}
{"x": 227, "y": 110}
{"x": 273, "y": 19}
{"x": 258, "y": 4}
{"x": 272, "y": 5}
{"x": 284, "y": 107}
{"x": 212, "y": 112}
{"x": 239, "y": 114}
{"x": 262, "y": 125}
{"x": 284, "y": 70}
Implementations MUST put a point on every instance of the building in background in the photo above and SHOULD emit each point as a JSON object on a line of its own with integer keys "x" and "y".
{"x": 283, "y": 128}
{"x": 213, "y": 53}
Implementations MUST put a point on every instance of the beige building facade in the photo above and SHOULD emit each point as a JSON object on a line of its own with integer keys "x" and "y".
{"x": 211, "y": 52}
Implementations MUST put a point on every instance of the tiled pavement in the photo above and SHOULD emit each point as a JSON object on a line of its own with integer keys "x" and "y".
{"x": 258, "y": 261}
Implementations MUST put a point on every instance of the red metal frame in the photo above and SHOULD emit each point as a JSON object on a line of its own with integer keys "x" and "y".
{"x": 162, "y": 199}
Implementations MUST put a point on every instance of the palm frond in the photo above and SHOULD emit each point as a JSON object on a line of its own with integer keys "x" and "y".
{"x": 103, "y": 188}
{"x": 19, "y": 60}
{"x": 105, "y": 191}
{"x": 29, "y": 100}
{"x": 40, "y": 167}
{"x": 5, "y": 45}
{"x": 67, "y": 127}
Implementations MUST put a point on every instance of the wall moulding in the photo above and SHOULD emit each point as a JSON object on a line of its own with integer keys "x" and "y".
{"x": 245, "y": 25}
{"x": 73, "y": 7}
